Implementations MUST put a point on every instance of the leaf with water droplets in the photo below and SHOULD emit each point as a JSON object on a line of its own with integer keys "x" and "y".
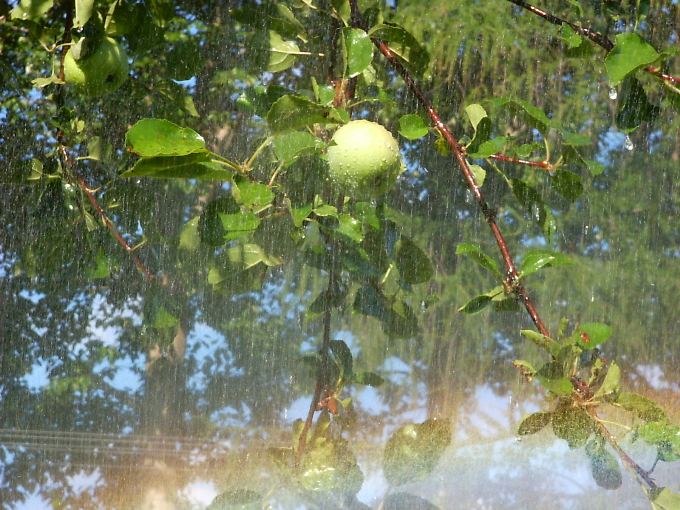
{"x": 357, "y": 51}
{"x": 630, "y": 53}
{"x": 158, "y": 137}
{"x": 534, "y": 423}
{"x": 474, "y": 251}
{"x": 412, "y": 126}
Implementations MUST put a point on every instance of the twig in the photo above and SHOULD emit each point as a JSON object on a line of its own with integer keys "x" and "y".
{"x": 545, "y": 165}
{"x": 511, "y": 274}
{"x": 321, "y": 376}
{"x": 594, "y": 36}
{"x": 67, "y": 162}
{"x": 640, "y": 473}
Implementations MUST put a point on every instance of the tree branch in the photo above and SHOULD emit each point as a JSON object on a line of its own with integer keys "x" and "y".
{"x": 596, "y": 37}
{"x": 511, "y": 273}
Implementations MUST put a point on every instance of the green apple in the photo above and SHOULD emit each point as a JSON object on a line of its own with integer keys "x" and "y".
{"x": 364, "y": 161}
{"x": 100, "y": 72}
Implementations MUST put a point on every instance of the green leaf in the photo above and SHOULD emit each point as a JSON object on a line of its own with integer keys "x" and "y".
{"x": 189, "y": 239}
{"x": 567, "y": 184}
{"x": 368, "y": 379}
{"x": 542, "y": 341}
{"x": 350, "y": 227}
{"x": 643, "y": 407}
{"x": 238, "y": 224}
{"x": 343, "y": 355}
{"x": 101, "y": 267}
{"x": 158, "y": 137}
{"x": 237, "y": 499}
{"x": 634, "y": 107}
{"x": 592, "y": 334}
{"x": 534, "y": 423}
{"x": 526, "y": 368}
{"x": 475, "y": 113}
{"x": 249, "y": 255}
{"x": 476, "y": 304}
{"x": 665, "y": 499}
{"x": 413, "y": 264}
{"x": 611, "y": 383}
{"x": 560, "y": 386}
{"x": 83, "y": 12}
{"x": 370, "y": 301}
{"x": 295, "y": 112}
{"x": 289, "y": 145}
{"x": 329, "y": 468}
{"x": 537, "y": 259}
{"x": 604, "y": 467}
{"x": 201, "y": 166}
{"x": 478, "y": 174}
{"x": 403, "y": 44}
{"x": 412, "y": 126}
{"x": 474, "y": 251}
{"x": 666, "y": 438}
{"x": 530, "y": 199}
{"x": 31, "y": 9}
{"x": 573, "y": 424}
{"x": 488, "y": 148}
{"x": 414, "y": 450}
{"x": 251, "y": 194}
{"x": 357, "y": 51}
{"x": 399, "y": 321}
{"x": 300, "y": 214}
{"x": 534, "y": 115}
{"x": 481, "y": 125}
{"x": 570, "y": 37}
{"x": 281, "y": 53}
{"x": 163, "y": 319}
{"x": 630, "y": 53}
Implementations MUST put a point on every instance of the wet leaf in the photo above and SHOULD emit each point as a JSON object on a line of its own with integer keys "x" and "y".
{"x": 413, "y": 264}
{"x": 238, "y": 499}
{"x": 414, "y": 450}
{"x": 567, "y": 184}
{"x": 350, "y": 227}
{"x": 612, "y": 381}
{"x": 294, "y": 112}
{"x": 534, "y": 423}
{"x": 238, "y": 224}
{"x": 530, "y": 200}
{"x": 634, "y": 108}
{"x": 573, "y": 424}
{"x": 412, "y": 126}
{"x": 357, "y": 51}
{"x": 476, "y": 304}
{"x": 281, "y": 53}
{"x": 630, "y": 53}
{"x": 158, "y": 137}
{"x": 489, "y": 147}
{"x": 343, "y": 355}
{"x": 367, "y": 378}
{"x": 605, "y": 469}
{"x": 329, "y": 467}
{"x": 641, "y": 406}
{"x": 665, "y": 436}
{"x": 251, "y": 194}
{"x": 537, "y": 259}
{"x": 403, "y": 44}
{"x": 200, "y": 165}
{"x": 474, "y": 251}
{"x": 590, "y": 335}
{"x": 478, "y": 174}
{"x": 289, "y": 145}
{"x": 544, "y": 342}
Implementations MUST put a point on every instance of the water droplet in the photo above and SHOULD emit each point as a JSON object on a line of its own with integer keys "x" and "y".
{"x": 613, "y": 94}
{"x": 628, "y": 144}
{"x": 468, "y": 196}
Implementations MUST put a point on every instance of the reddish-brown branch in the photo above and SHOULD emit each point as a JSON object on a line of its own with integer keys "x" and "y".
{"x": 511, "y": 273}
{"x": 596, "y": 37}
{"x": 113, "y": 230}
{"x": 545, "y": 165}
{"x": 627, "y": 459}
{"x": 68, "y": 163}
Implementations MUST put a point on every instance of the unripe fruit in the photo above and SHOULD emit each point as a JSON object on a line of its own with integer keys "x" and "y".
{"x": 99, "y": 73}
{"x": 364, "y": 162}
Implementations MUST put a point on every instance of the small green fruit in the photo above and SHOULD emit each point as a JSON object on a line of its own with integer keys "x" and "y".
{"x": 100, "y": 72}
{"x": 364, "y": 162}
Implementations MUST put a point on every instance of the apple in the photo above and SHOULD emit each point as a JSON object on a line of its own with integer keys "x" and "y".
{"x": 100, "y": 72}
{"x": 364, "y": 161}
